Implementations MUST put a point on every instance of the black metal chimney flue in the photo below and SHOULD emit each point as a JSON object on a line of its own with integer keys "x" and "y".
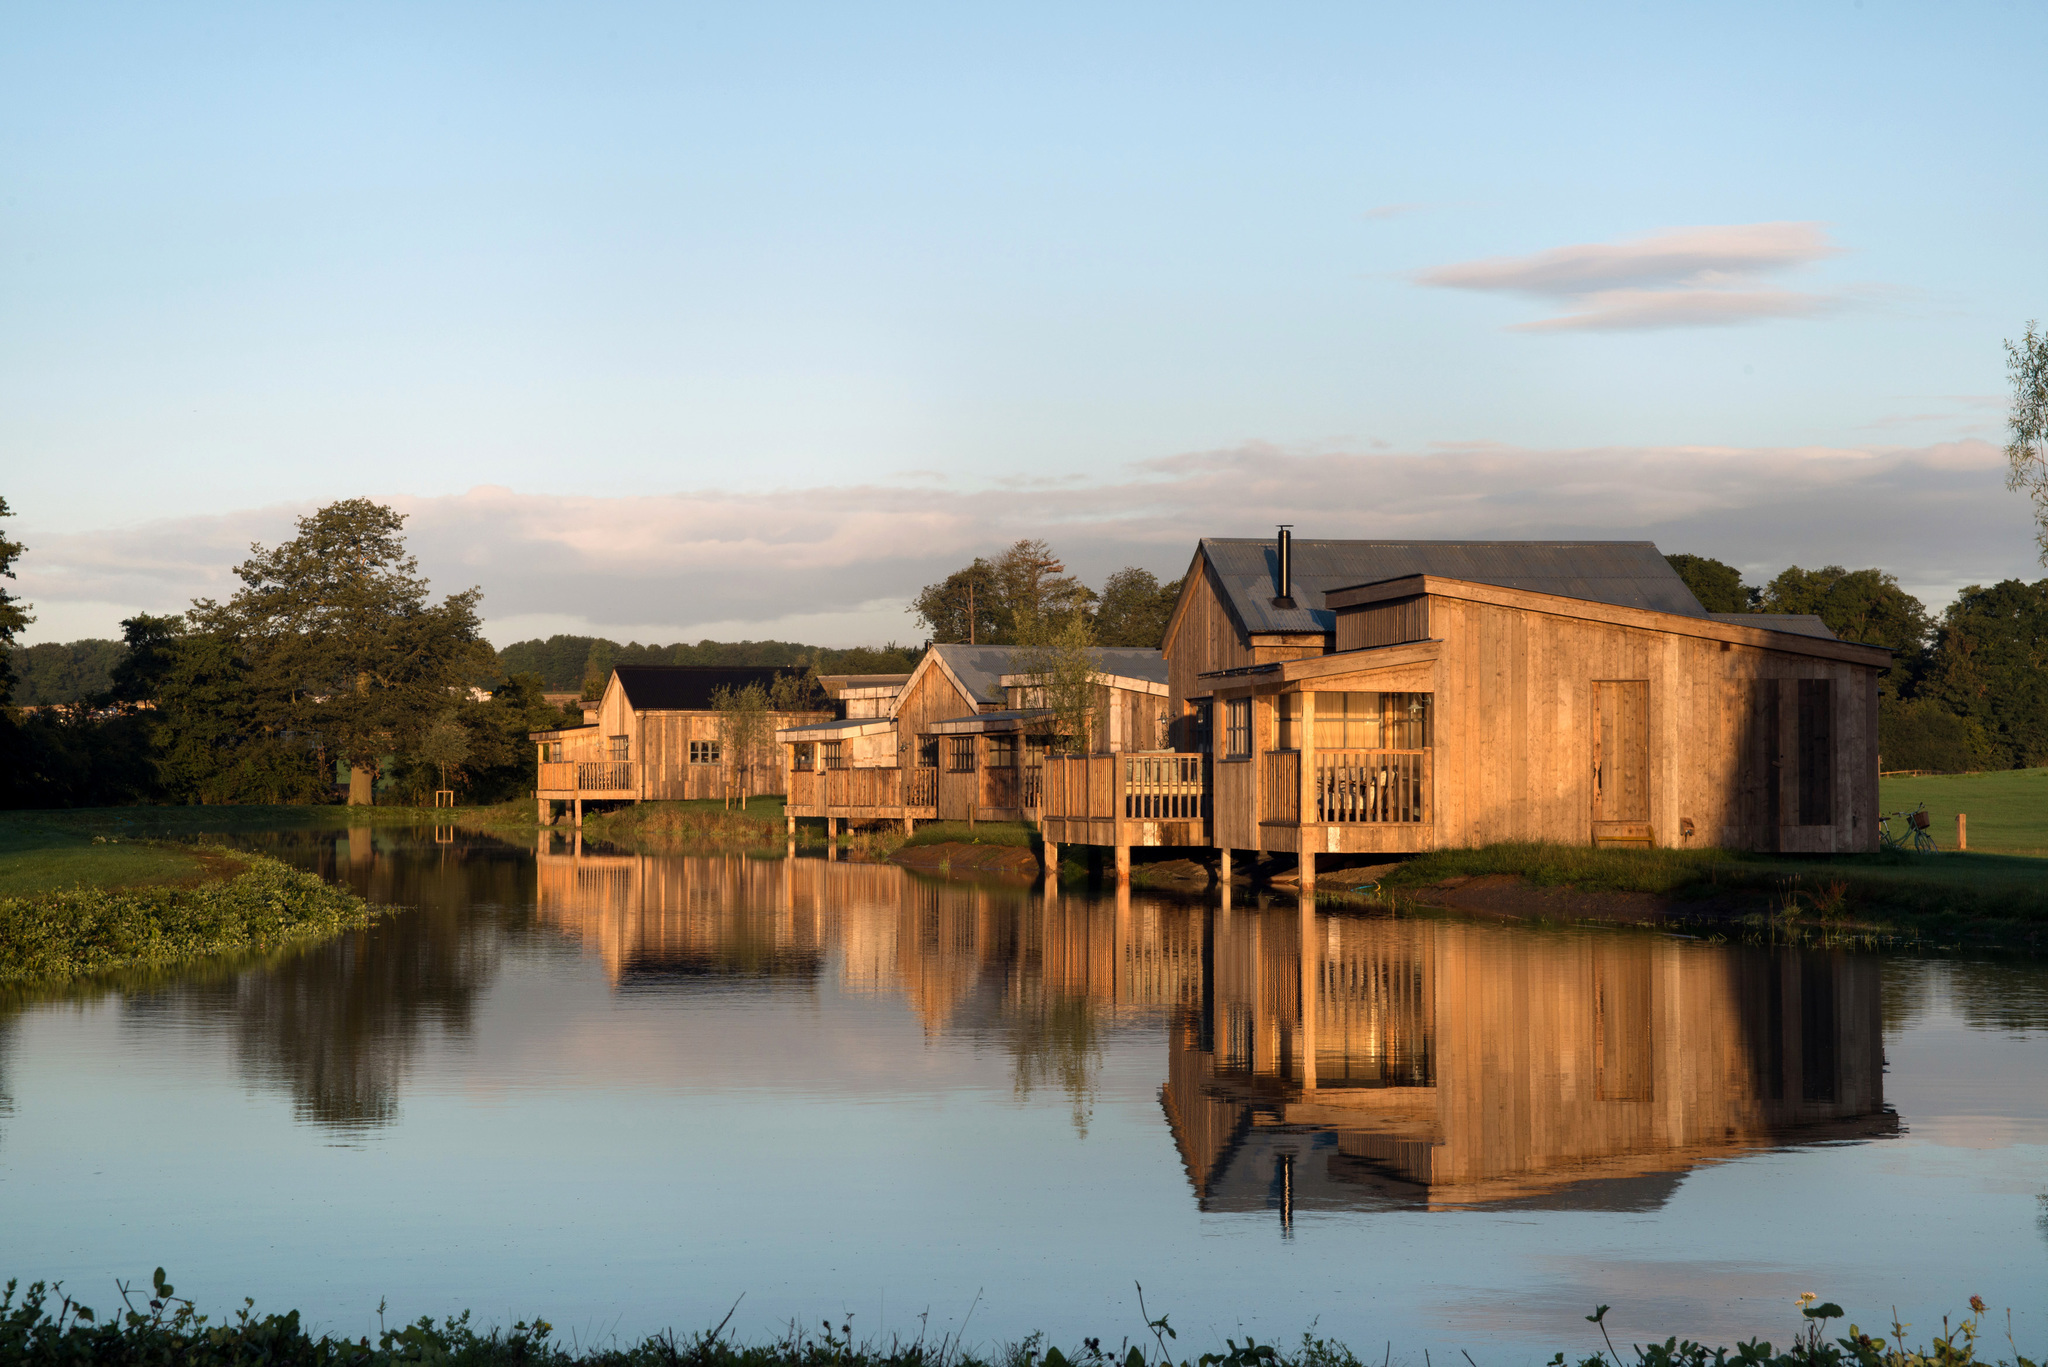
{"x": 1283, "y": 571}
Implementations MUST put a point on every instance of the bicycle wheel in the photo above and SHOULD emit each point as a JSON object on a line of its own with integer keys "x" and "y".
{"x": 1923, "y": 843}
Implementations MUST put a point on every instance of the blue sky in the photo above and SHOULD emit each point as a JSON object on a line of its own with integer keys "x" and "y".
{"x": 820, "y": 301}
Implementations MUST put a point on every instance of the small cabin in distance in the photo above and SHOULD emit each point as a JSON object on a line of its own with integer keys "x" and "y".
{"x": 962, "y": 740}
{"x": 657, "y": 737}
{"x": 1361, "y": 697}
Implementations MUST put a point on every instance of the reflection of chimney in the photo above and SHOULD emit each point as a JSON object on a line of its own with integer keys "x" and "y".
{"x": 1283, "y": 569}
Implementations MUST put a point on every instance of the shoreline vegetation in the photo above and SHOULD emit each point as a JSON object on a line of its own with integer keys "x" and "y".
{"x": 41, "y": 1324}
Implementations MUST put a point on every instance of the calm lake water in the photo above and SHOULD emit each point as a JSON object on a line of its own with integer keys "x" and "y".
{"x": 623, "y": 1092}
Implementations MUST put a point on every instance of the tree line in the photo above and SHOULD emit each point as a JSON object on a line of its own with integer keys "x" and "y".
{"x": 332, "y": 666}
{"x": 1967, "y": 690}
{"x": 1027, "y": 590}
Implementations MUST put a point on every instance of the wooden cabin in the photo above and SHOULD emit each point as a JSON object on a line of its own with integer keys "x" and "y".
{"x": 656, "y": 737}
{"x": 963, "y": 739}
{"x": 1388, "y": 697}
{"x": 1378, "y": 697}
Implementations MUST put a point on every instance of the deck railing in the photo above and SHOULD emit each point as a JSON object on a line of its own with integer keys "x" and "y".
{"x": 1282, "y": 785}
{"x": 1165, "y": 788}
{"x": 1151, "y": 786}
{"x": 609, "y": 774}
{"x": 923, "y": 790}
{"x": 1372, "y": 785}
{"x": 561, "y": 776}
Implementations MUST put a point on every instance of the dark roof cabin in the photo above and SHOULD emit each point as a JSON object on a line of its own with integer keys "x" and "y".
{"x": 1393, "y": 696}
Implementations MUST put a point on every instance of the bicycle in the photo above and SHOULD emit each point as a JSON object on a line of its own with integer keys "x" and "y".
{"x": 1914, "y": 839}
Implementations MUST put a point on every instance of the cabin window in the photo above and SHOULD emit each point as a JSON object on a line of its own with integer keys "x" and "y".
{"x": 1002, "y": 752}
{"x": 707, "y": 751}
{"x": 927, "y": 752}
{"x": 959, "y": 754}
{"x": 1359, "y": 721}
{"x": 1816, "y": 752}
{"x": 834, "y": 753}
{"x": 617, "y": 747}
{"x": 554, "y": 752}
{"x": 1237, "y": 728}
{"x": 801, "y": 758}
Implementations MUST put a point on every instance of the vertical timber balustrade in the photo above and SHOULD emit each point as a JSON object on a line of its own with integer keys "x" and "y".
{"x": 1164, "y": 788}
{"x": 1372, "y": 786}
{"x": 1305, "y": 874}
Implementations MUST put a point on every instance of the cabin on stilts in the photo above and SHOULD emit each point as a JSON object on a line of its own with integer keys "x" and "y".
{"x": 658, "y": 736}
{"x": 1383, "y": 697}
{"x": 966, "y": 738}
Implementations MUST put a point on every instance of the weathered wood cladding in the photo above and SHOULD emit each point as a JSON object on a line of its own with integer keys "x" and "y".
{"x": 1384, "y": 624}
{"x": 1745, "y": 738}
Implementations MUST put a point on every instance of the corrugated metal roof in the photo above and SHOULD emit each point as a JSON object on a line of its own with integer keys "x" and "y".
{"x": 1797, "y": 623}
{"x": 981, "y": 668}
{"x": 687, "y": 688}
{"x": 1630, "y": 574}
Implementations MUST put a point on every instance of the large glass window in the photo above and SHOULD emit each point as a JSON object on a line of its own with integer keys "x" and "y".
{"x": 1359, "y": 721}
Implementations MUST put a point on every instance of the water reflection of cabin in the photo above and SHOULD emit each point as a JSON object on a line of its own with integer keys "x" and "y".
{"x": 1441, "y": 1063}
{"x": 656, "y": 737}
{"x": 963, "y": 739}
{"x": 1375, "y": 697}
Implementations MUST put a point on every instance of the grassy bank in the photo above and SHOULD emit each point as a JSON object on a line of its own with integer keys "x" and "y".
{"x": 675, "y": 827}
{"x": 240, "y": 902}
{"x": 1985, "y": 897}
{"x": 153, "y": 1325}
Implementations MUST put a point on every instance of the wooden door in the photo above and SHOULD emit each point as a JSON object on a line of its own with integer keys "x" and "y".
{"x": 1621, "y": 762}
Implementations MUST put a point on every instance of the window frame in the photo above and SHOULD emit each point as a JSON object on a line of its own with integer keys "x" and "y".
{"x": 1237, "y": 728}
{"x": 960, "y": 754}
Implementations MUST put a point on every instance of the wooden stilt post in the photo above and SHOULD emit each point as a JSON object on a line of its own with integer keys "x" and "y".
{"x": 579, "y": 813}
{"x": 1223, "y": 866}
{"x": 1123, "y": 864}
{"x": 1049, "y": 859}
{"x": 789, "y": 820}
{"x": 1307, "y": 877}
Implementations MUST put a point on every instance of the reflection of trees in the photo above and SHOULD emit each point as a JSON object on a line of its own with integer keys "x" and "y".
{"x": 1057, "y": 1042}
{"x": 340, "y": 1024}
{"x": 1995, "y": 994}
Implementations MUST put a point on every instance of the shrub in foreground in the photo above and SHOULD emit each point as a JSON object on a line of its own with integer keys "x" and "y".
{"x": 46, "y": 1328}
{"x": 267, "y": 905}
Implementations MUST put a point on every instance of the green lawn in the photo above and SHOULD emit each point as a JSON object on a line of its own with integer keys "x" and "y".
{"x": 44, "y": 856}
{"x": 2008, "y": 811}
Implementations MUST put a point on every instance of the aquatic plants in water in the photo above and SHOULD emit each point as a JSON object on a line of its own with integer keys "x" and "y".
{"x": 266, "y": 905}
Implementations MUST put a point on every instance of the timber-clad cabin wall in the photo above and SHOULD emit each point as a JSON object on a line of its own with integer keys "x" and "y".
{"x": 1552, "y": 717}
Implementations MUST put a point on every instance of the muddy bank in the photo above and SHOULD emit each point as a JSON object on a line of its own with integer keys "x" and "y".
{"x": 954, "y": 857}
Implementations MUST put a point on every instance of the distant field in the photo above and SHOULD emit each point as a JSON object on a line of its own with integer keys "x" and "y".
{"x": 2008, "y": 811}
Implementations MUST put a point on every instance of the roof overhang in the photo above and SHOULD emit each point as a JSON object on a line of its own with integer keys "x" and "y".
{"x": 835, "y": 730}
{"x": 558, "y": 732}
{"x": 1123, "y": 681}
{"x": 1362, "y": 661}
{"x": 1643, "y": 619}
{"x": 989, "y": 723}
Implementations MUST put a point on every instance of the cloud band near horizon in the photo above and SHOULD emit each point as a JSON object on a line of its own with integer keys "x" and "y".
{"x": 836, "y": 565}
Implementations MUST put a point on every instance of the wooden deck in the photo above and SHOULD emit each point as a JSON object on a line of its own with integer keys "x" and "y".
{"x": 1148, "y": 798}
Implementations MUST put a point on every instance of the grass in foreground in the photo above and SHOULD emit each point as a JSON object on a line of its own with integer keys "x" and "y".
{"x": 35, "y": 858}
{"x": 694, "y": 825}
{"x": 1988, "y": 895}
{"x": 48, "y": 1328}
{"x": 255, "y": 903}
{"x": 2008, "y": 811}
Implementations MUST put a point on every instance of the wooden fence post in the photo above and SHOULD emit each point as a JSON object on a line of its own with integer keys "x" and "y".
{"x": 1962, "y": 831}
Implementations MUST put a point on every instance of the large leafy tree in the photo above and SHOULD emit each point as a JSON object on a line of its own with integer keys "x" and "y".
{"x": 1717, "y": 585}
{"x": 964, "y": 606}
{"x": 989, "y": 601}
{"x": 2026, "y": 454}
{"x": 13, "y": 612}
{"x": 341, "y": 640}
{"x": 1990, "y": 667}
{"x": 1859, "y": 605}
{"x": 1134, "y": 609}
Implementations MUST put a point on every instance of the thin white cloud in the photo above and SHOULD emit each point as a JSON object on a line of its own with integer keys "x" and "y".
{"x": 1681, "y": 277}
{"x": 838, "y": 564}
